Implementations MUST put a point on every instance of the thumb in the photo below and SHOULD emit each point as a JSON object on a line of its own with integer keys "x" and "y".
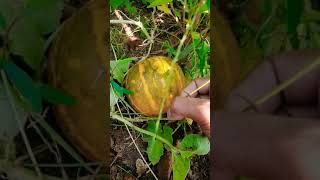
{"x": 194, "y": 108}
{"x": 183, "y": 107}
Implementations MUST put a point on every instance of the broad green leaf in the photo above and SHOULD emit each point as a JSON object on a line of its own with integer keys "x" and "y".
{"x": 180, "y": 167}
{"x": 167, "y": 134}
{"x": 3, "y": 23}
{"x": 154, "y": 151}
{"x": 196, "y": 38}
{"x": 131, "y": 9}
{"x": 152, "y": 128}
{"x": 56, "y": 96}
{"x": 116, "y": 3}
{"x": 27, "y": 42}
{"x": 186, "y": 154}
{"x": 44, "y": 14}
{"x": 33, "y": 18}
{"x": 119, "y": 68}
{"x": 158, "y": 3}
{"x": 25, "y": 85}
{"x": 199, "y": 145}
{"x": 120, "y": 91}
{"x": 164, "y": 8}
{"x": 205, "y": 8}
{"x": 155, "y": 147}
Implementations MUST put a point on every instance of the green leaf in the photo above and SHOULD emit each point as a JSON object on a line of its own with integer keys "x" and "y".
{"x": 164, "y": 8}
{"x": 205, "y": 8}
{"x": 120, "y": 91}
{"x": 167, "y": 134}
{"x": 56, "y": 96}
{"x": 196, "y": 38}
{"x": 181, "y": 166}
{"x": 45, "y": 14}
{"x": 33, "y": 18}
{"x": 203, "y": 55}
{"x": 200, "y": 145}
{"x": 155, "y": 147}
{"x": 3, "y": 23}
{"x": 154, "y": 151}
{"x": 177, "y": 13}
{"x": 25, "y": 85}
{"x": 118, "y": 69}
{"x": 116, "y": 3}
{"x": 158, "y": 3}
{"x": 27, "y": 42}
{"x": 131, "y": 9}
{"x": 186, "y": 154}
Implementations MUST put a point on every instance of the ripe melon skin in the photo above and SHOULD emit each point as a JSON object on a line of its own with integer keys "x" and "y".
{"x": 148, "y": 79}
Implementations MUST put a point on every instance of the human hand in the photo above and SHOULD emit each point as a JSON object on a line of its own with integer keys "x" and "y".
{"x": 280, "y": 138}
{"x": 193, "y": 105}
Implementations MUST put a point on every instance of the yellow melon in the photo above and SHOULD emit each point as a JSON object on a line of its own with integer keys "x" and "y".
{"x": 149, "y": 81}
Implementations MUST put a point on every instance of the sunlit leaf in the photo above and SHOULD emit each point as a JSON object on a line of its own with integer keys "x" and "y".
{"x": 164, "y": 8}
{"x": 198, "y": 144}
{"x": 119, "y": 68}
{"x": 167, "y": 134}
{"x": 180, "y": 167}
{"x": 155, "y": 147}
{"x": 205, "y": 8}
{"x": 158, "y": 3}
{"x": 116, "y": 3}
{"x": 155, "y": 151}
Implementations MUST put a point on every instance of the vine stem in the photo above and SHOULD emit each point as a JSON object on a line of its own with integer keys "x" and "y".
{"x": 23, "y": 133}
{"x": 115, "y": 116}
{"x": 286, "y": 83}
{"x": 176, "y": 58}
